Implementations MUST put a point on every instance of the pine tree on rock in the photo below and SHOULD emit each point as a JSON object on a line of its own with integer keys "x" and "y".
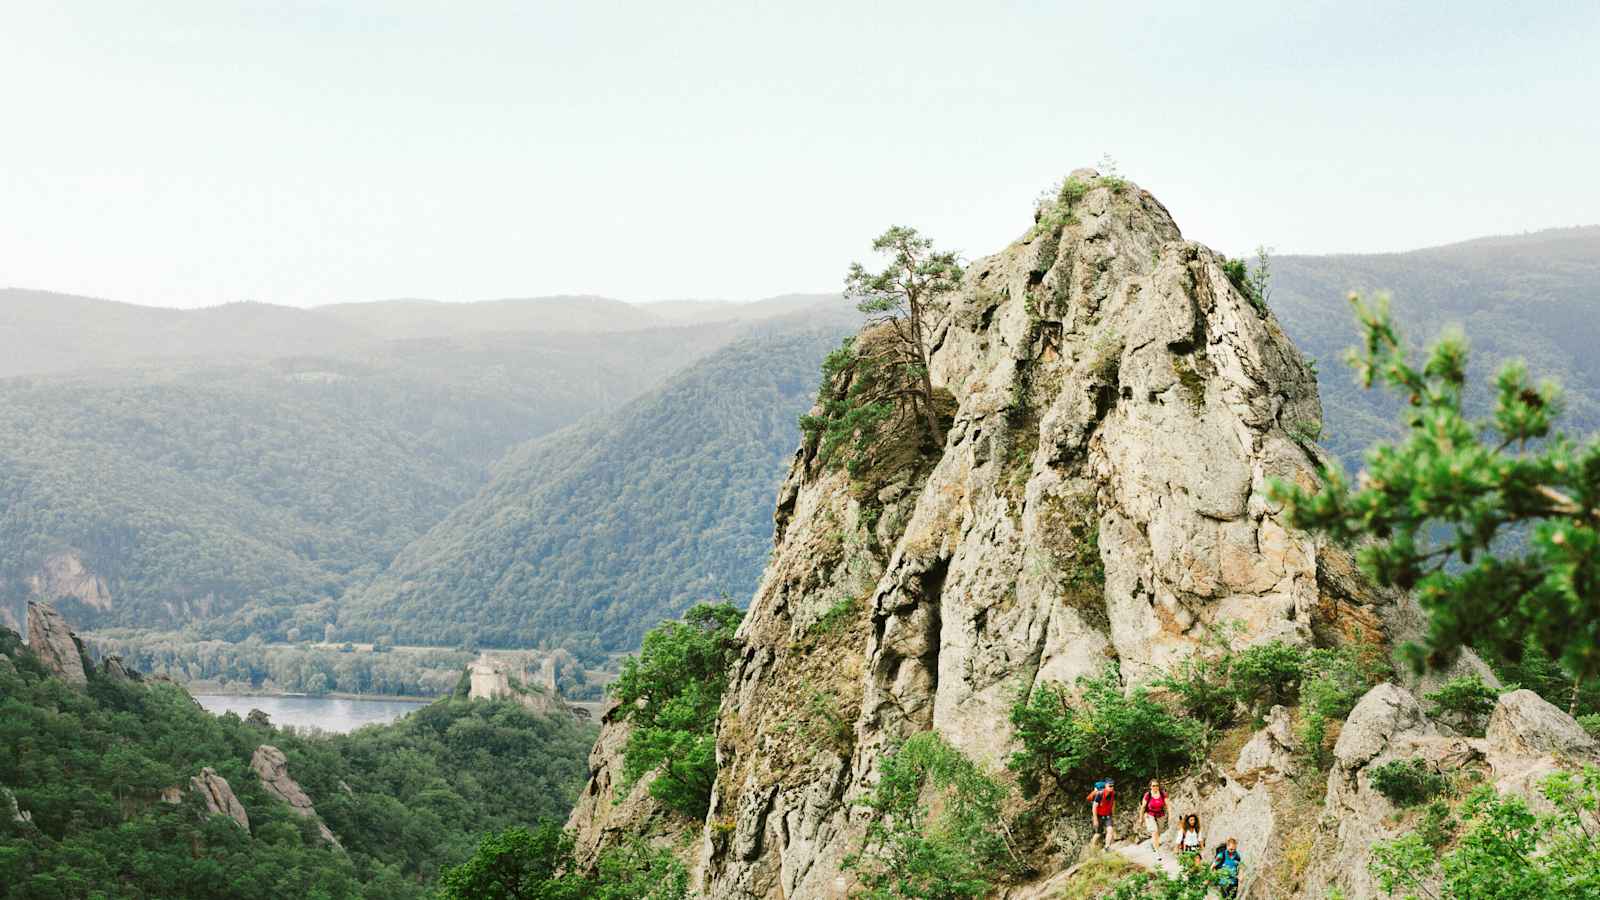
{"x": 1495, "y": 524}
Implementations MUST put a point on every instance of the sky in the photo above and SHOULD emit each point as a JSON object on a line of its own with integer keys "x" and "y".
{"x": 193, "y": 153}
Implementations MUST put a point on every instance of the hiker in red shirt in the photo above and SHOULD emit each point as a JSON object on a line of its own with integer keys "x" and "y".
{"x": 1102, "y": 805}
{"x": 1153, "y": 809}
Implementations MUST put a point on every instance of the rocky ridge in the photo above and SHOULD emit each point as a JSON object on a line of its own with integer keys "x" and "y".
{"x": 1119, "y": 408}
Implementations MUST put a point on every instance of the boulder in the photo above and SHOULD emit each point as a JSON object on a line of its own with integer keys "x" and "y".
{"x": 113, "y": 668}
{"x": 1270, "y": 752}
{"x": 1525, "y": 724}
{"x": 272, "y": 767}
{"x": 54, "y": 643}
{"x": 218, "y": 797}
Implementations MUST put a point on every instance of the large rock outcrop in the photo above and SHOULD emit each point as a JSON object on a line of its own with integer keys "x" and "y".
{"x": 218, "y": 797}
{"x": 1117, "y": 408}
{"x": 272, "y": 767}
{"x": 54, "y": 643}
{"x": 1120, "y": 406}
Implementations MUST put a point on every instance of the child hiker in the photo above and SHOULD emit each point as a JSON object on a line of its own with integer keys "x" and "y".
{"x": 1228, "y": 864}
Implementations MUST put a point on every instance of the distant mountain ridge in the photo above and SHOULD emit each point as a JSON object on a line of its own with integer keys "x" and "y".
{"x": 51, "y": 333}
{"x": 1534, "y": 296}
{"x": 152, "y": 484}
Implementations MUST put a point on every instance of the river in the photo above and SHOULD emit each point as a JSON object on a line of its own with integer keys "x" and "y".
{"x": 327, "y": 713}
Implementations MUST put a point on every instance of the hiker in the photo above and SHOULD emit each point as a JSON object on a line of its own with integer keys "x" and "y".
{"x": 1228, "y": 863}
{"x": 1153, "y": 807}
{"x": 1102, "y": 806}
{"x": 1189, "y": 840}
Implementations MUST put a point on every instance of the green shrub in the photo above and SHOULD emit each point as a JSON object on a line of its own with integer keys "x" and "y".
{"x": 1505, "y": 849}
{"x": 1055, "y": 206}
{"x": 1467, "y": 699}
{"x": 518, "y": 864}
{"x": 1267, "y": 674}
{"x": 1101, "y": 732}
{"x": 1407, "y": 782}
{"x": 670, "y": 692}
{"x": 1202, "y": 686}
{"x": 836, "y": 617}
{"x": 1213, "y": 683}
{"x": 910, "y": 852}
{"x": 1253, "y": 284}
{"x": 513, "y": 864}
{"x": 638, "y": 871}
{"x": 850, "y": 415}
{"x": 1437, "y": 829}
{"x": 1195, "y": 880}
{"x": 1591, "y": 724}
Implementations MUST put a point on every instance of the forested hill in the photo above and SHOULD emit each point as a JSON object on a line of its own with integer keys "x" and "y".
{"x": 590, "y": 536}
{"x": 245, "y": 497}
{"x": 1535, "y": 296}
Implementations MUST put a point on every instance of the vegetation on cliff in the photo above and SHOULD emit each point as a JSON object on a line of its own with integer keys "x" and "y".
{"x": 935, "y": 829}
{"x": 670, "y": 693}
{"x": 1502, "y": 848}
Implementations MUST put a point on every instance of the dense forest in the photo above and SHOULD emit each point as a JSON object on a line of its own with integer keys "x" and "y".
{"x": 585, "y": 538}
{"x": 248, "y": 496}
{"x": 88, "y": 767}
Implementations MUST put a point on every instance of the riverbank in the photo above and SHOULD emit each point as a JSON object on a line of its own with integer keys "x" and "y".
{"x": 229, "y": 689}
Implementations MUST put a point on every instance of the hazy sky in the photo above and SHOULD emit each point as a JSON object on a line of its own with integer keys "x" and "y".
{"x": 189, "y": 153}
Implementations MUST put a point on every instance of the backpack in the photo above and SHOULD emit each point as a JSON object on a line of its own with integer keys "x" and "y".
{"x": 1101, "y": 796}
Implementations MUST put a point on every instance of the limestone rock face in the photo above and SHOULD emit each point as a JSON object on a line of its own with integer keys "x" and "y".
{"x": 65, "y": 575}
{"x": 272, "y": 767}
{"x": 218, "y": 797}
{"x": 54, "y": 643}
{"x": 1119, "y": 408}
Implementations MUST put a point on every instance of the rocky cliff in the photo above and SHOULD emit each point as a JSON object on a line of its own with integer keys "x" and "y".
{"x": 1119, "y": 407}
{"x": 54, "y": 643}
{"x": 272, "y": 767}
